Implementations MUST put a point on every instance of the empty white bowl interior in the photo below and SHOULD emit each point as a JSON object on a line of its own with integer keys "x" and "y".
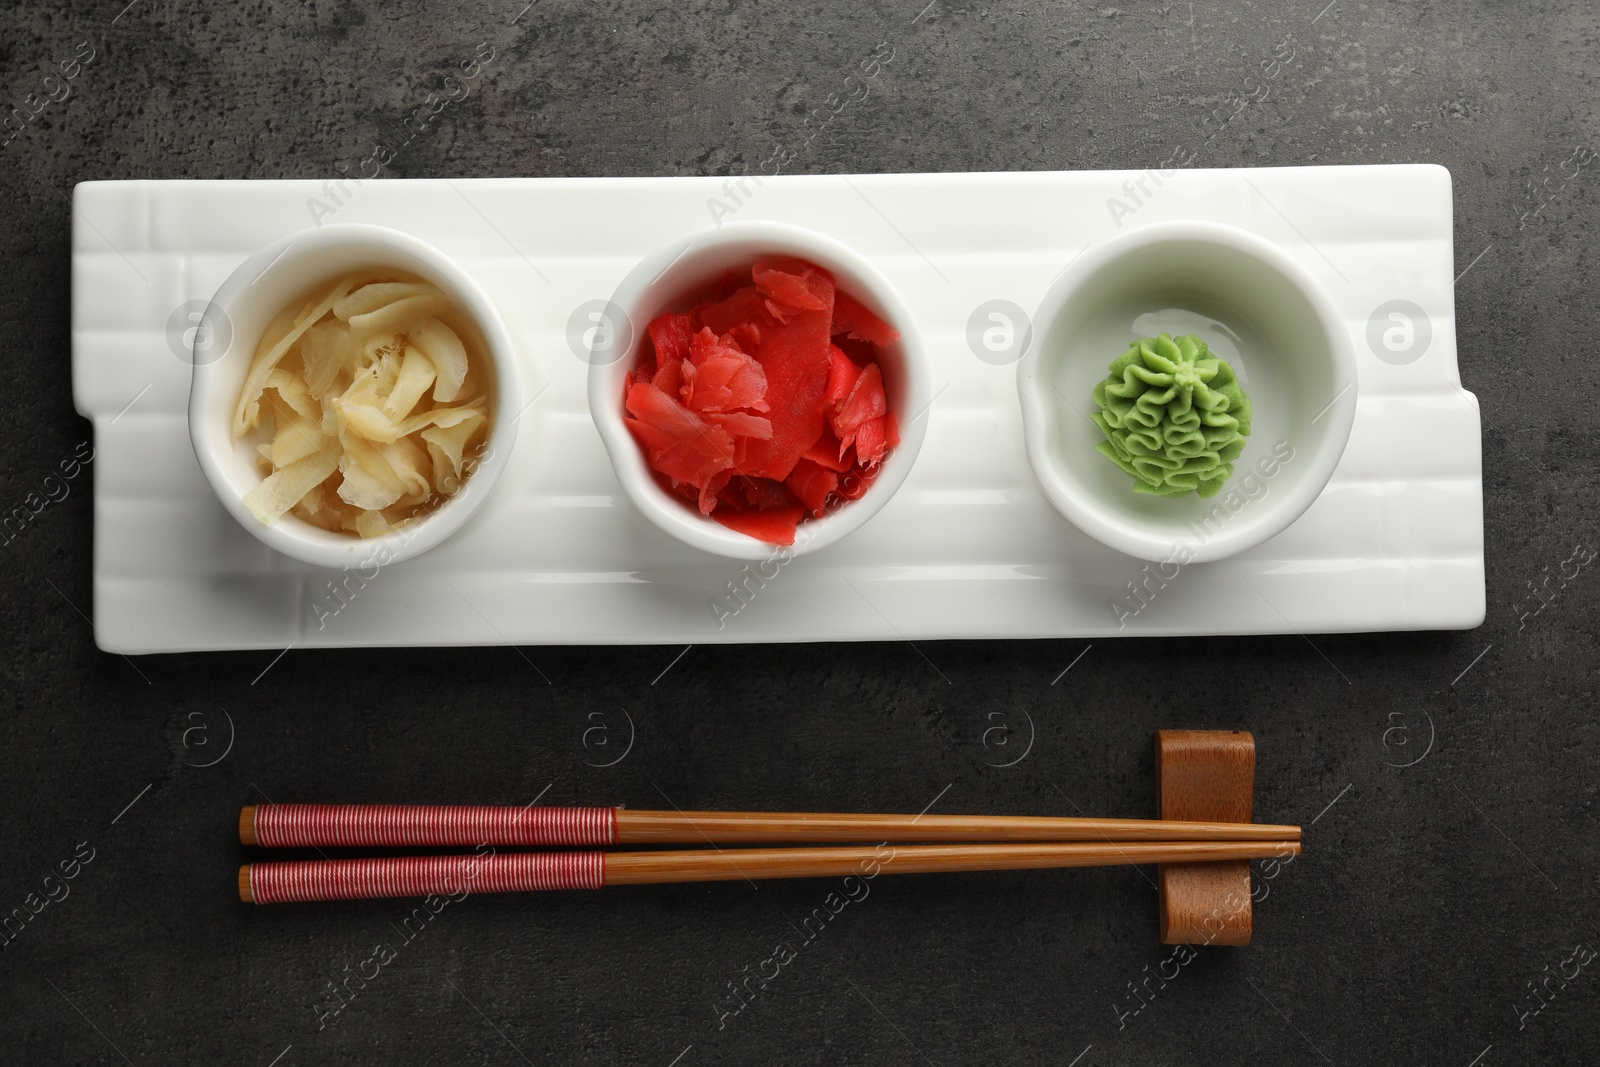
{"x": 674, "y": 280}
{"x": 1250, "y": 314}
{"x": 312, "y": 263}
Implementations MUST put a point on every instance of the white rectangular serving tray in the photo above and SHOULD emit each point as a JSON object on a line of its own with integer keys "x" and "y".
{"x": 968, "y": 548}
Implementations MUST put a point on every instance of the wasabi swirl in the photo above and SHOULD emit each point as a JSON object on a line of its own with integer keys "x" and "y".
{"x": 1174, "y": 416}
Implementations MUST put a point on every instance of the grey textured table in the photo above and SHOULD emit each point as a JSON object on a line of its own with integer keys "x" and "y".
{"x": 1445, "y": 910}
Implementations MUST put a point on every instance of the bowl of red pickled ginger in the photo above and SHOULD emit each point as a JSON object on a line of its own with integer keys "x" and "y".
{"x": 772, "y": 395}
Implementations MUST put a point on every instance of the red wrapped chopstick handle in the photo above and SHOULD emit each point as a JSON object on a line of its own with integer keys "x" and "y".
{"x": 419, "y": 876}
{"x": 377, "y": 825}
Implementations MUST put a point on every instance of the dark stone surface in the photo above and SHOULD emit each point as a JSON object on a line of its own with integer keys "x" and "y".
{"x": 1431, "y": 896}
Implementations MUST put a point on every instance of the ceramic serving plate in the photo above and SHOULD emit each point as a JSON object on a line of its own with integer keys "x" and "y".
{"x": 968, "y": 547}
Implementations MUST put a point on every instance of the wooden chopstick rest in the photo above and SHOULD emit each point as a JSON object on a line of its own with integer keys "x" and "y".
{"x": 1206, "y": 774}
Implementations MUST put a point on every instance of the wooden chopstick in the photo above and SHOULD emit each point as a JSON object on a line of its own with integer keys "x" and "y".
{"x": 421, "y": 876}
{"x": 377, "y": 825}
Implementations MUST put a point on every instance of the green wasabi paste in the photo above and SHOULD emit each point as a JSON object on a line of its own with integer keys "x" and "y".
{"x": 1174, "y": 416}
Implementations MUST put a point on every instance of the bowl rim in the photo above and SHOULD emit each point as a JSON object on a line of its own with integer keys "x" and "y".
{"x": 670, "y": 513}
{"x": 1083, "y": 509}
{"x": 209, "y": 426}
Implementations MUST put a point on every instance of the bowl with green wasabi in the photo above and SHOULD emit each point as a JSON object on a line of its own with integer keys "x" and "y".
{"x": 1187, "y": 393}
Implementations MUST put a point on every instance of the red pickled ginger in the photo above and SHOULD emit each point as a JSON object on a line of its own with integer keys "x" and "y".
{"x": 745, "y": 406}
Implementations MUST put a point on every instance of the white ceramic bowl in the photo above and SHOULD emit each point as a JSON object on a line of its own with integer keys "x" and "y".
{"x": 289, "y": 270}
{"x": 1255, "y": 307}
{"x": 672, "y": 278}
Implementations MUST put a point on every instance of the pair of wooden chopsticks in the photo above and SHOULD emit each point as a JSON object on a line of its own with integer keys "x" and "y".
{"x": 987, "y": 842}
